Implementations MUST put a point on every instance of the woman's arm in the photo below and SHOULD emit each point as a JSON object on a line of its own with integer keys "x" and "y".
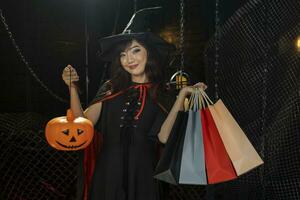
{"x": 178, "y": 106}
{"x": 93, "y": 112}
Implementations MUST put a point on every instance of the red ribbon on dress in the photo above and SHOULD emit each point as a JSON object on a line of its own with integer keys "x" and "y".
{"x": 142, "y": 97}
{"x": 143, "y": 94}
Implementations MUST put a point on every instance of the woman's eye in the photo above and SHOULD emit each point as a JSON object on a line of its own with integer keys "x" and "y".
{"x": 136, "y": 50}
{"x": 122, "y": 54}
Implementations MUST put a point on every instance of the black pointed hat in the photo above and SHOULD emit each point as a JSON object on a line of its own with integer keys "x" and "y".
{"x": 139, "y": 27}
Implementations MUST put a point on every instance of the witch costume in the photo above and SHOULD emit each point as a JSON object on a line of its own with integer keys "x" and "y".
{"x": 120, "y": 162}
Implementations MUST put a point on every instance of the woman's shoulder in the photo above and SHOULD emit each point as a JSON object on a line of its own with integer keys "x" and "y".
{"x": 103, "y": 91}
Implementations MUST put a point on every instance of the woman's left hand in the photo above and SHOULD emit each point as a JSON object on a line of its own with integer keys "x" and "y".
{"x": 200, "y": 85}
{"x": 190, "y": 89}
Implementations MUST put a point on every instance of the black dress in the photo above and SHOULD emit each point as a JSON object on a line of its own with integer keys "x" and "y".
{"x": 124, "y": 169}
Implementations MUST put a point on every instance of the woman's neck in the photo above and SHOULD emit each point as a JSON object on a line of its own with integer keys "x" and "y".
{"x": 140, "y": 79}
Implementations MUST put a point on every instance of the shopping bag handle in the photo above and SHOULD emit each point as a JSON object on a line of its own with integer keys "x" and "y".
{"x": 200, "y": 99}
{"x": 194, "y": 102}
{"x": 191, "y": 102}
{"x": 206, "y": 97}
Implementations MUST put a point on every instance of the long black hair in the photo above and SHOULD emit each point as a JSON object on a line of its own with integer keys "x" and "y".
{"x": 154, "y": 69}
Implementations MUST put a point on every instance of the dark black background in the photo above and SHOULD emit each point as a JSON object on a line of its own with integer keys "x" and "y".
{"x": 51, "y": 34}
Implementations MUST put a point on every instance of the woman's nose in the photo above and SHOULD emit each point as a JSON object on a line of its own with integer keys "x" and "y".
{"x": 130, "y": 58}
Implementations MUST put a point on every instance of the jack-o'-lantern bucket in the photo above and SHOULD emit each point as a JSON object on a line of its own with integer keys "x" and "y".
{"x": 68, "y": 133}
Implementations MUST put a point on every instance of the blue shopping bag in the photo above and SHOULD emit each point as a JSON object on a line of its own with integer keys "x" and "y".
{"x": 192, "y": 169}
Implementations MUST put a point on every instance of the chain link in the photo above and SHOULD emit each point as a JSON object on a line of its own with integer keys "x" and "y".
{"x": 180, "y": 70}
{"x": 181, "y": 44}
{"x": 135, "y": 5}
{"x": 26, "y": 63}
{"x": 217, "y": 47}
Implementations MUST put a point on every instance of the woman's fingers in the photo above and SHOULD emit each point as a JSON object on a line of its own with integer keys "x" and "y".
{"x": 73, "y": 78}
{"x": 69, "y": 75}
{"x": 186, "y": 90}
{"x": 69, "y": 69}
{"x": 201, "y": 85}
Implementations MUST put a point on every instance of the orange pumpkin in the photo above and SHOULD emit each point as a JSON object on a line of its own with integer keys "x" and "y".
{"x": 69, "y": 134}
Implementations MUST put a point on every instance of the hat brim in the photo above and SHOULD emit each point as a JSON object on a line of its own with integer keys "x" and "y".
{"x": 108, "y": 44}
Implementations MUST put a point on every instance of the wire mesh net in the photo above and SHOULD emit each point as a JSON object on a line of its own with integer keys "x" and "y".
{"x": 29, "y": 168}
{"x": 257, "y": 78}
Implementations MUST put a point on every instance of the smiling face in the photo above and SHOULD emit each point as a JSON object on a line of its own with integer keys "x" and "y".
{"x": 133, "y": 59}
{"x": 69, "y": 134}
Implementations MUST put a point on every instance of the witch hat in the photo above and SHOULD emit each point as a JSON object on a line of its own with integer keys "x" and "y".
{"x": 139, "y": 27}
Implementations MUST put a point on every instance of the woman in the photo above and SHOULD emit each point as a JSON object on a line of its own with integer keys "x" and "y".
{"x": 129, "y": 114}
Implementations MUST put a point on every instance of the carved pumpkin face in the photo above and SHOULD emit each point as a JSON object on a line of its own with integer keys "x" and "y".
{"x": 69, "y": 134}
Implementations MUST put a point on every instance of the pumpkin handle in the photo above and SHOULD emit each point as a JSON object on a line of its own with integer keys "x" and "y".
{"x": 70, "y": 115}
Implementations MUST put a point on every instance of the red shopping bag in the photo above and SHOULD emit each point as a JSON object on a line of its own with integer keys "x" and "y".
{"x": 218, "y": 164}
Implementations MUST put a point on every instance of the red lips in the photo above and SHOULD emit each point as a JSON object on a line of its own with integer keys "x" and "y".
{"x": 133, "y": 66}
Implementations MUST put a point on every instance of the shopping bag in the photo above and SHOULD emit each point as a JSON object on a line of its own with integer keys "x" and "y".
{"x": 219, "y": 167}
{"x": 241, "y": 152}
{"x": 168, "y": 167}
{"x": 192, "y": 169}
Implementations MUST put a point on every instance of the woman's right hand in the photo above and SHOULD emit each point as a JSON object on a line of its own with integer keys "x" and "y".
{"x": 70, "y": 76}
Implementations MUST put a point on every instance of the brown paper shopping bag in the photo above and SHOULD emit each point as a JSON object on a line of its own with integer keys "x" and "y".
{"x": 241, "y": 152}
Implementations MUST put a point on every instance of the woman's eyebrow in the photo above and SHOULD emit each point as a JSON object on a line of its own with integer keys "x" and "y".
{"x": 129, "y": 48}
{"x": 133, "y": 47}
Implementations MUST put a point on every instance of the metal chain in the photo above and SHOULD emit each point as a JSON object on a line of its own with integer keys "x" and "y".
{"x": 181, "y": 43}
{"x": 135, "y": 5}
{"x": 217, "y": 47}
{"x": 26, "y": 63}
{"x": 86, "y": 67}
